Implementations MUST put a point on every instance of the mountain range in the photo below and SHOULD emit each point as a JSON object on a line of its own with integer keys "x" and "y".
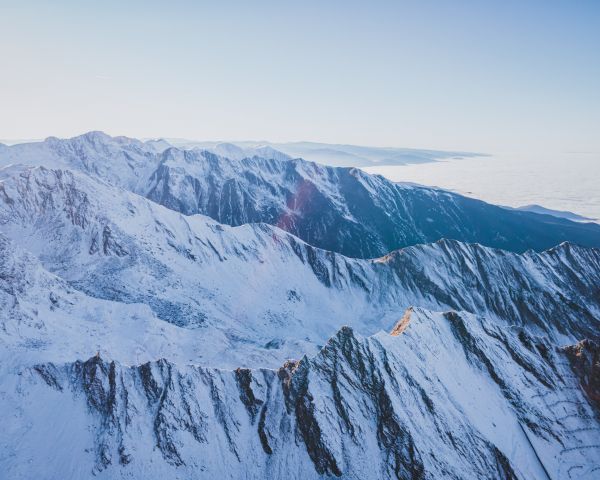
{"x": 344, "y": 210}
{"x": 183, "y": 313}
{"x": 335, "y": 155}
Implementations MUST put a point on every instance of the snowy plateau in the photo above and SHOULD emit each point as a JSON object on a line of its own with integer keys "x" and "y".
{"x": 219, "y": 312}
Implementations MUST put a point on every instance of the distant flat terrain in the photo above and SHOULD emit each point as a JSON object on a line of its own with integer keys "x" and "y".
{"x": 563, "y": 182}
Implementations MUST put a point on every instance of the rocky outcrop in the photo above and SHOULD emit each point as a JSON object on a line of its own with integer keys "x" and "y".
{"x": 584, "y": 358}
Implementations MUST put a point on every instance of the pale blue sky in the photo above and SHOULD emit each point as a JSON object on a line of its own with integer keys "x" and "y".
{"x": 471, "y": 75}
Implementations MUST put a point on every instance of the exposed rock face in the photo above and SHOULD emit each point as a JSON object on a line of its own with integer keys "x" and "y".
{"x": 584, "y": 358}
{"x": 443, "y": 399}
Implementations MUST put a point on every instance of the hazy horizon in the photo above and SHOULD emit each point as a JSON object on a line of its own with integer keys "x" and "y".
{"x": 442, "y": 76}
{"x": 15, "y": 141}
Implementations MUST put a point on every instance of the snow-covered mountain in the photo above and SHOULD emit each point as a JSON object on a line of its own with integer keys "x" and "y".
{"x": 338, "y": 209}
{"x": 445, "y": 396}
{"x": 142, "y": 339}
{"x": 199, "y": 275}
{"x": 556, "y": 213}
{"x": 335, "y": 155}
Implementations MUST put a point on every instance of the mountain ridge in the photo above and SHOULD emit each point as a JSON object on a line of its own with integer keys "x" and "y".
{"x": 187, "y": 270}
{"x": 339, "y": 209}
{"x": 372, "y": 382}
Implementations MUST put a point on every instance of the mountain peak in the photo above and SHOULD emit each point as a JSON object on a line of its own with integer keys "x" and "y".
{"x": 95, "y": 136}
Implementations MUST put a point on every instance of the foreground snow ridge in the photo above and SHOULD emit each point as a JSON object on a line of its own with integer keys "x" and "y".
{"x": 447, "y": 395}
